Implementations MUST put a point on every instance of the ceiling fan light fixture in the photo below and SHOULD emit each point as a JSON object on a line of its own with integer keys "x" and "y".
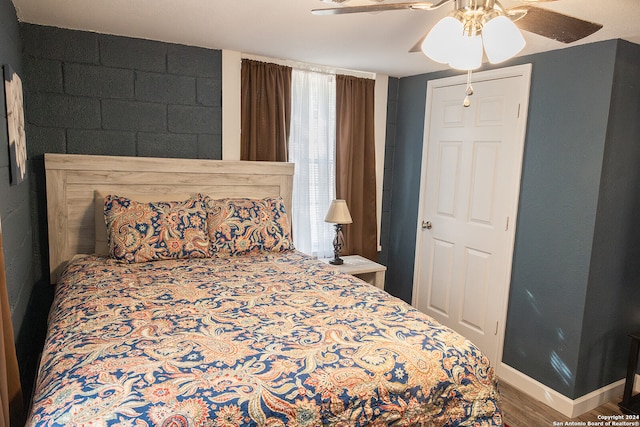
{"x": 466, "y": 52}
{"x": 501, "y": 39}
{"x": 437, "y": 44}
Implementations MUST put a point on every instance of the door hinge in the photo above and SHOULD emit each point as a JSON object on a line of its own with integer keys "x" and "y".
{"x": 496, "y": 332}
{"x": 506, "y": 227}
{"x": 518, "y": 116}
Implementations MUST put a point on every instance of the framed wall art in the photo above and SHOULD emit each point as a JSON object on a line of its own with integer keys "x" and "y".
{"x": 15, "y": 125}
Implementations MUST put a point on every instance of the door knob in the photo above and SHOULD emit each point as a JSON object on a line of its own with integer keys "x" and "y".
{"x": 427, "y": 225}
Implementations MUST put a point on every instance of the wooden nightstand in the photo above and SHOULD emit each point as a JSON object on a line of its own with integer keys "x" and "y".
{"x": 363, "y": 268}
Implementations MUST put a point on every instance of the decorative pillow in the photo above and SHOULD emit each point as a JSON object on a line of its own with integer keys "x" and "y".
{"x": 141, "y": 232}
{"x": 244, "y": 226}
{"x": 102, "y": 239}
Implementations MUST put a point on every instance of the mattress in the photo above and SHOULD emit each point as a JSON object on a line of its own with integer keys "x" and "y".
{"x": 273, "y": 339}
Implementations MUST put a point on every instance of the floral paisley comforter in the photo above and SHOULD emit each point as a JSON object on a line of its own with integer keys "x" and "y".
{"x": 266, "y": 340}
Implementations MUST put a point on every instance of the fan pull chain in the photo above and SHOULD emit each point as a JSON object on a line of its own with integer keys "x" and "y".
{"x": 469, "y": 91}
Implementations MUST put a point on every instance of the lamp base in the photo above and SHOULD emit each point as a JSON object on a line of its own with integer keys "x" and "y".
{"x": 338, "y": 244}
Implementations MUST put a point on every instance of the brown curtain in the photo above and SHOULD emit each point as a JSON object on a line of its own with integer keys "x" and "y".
{"x": 266, "y": 111}
{"x": 10, "y": 389}
{"x": 355, "y": 162}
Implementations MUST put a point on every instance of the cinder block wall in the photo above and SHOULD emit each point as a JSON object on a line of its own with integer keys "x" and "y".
{"x": 91, "y": 93}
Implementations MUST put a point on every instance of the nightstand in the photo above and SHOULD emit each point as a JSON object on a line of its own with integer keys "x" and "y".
{"x": 363, "y": 268}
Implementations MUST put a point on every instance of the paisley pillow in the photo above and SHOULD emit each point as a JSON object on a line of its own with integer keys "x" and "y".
{"x": 247, "y": 226}
{"x": 141, "y": 232}
{"x": 102, "y": 238}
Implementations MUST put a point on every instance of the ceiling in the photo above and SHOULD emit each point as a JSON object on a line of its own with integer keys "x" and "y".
{"x": 286, "y": 29}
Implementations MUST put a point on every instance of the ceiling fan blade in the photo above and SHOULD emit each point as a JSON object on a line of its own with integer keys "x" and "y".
{"x": 418, "y": 46}
{"x": 553, "y": 25}
{"x": 374, "y": 8}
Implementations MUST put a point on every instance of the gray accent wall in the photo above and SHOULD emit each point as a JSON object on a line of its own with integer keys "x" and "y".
{"x": 575, "y": 287}
{"x": 92, "y": 93}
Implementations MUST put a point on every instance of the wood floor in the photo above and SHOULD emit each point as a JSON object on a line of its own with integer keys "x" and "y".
{"x": 520, "y": 410}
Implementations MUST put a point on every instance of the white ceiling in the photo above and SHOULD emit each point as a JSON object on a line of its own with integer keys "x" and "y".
{"x": 285, "y": 29}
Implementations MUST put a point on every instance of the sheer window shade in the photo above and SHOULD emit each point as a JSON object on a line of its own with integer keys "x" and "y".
{"x": 312, "y": 148}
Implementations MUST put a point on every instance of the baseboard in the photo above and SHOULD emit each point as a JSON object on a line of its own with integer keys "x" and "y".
{"x": 570, "y": 408}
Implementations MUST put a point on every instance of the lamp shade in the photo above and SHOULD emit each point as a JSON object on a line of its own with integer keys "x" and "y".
{"x": 338, "y": 213}
{"x": 502, "y": 39}
{"x": 466, "y": 53}
{"x": 437, "y": 44}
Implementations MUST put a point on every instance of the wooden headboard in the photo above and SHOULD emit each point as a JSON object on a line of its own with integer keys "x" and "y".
{"x": 72, "y": 180}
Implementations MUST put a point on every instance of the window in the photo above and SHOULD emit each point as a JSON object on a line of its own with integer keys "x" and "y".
{"x": 312, "y": 145}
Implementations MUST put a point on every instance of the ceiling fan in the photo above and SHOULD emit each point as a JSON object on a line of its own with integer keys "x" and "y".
{"x": 544, "y": 22}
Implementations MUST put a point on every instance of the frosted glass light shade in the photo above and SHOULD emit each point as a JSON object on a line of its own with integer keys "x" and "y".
{"x": 338, "y": 213}
{"x": 466, "y": 53}
{"x": 502, "y": 39}
{"x": 437, "y": 44}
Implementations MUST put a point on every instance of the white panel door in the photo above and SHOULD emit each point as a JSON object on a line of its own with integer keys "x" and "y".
{"x": 469, "y": 194}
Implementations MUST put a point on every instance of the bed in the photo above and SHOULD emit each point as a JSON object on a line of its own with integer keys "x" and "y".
{"x": 265, "y": 337}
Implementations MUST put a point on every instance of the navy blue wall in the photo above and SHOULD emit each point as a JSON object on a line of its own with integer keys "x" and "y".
{"x": 405, "y": 188}
{"x": 569, "y": 115}
{"x": 613, "y": 295}
{"x": 566, "y": 134}
{"x": 14, "y": 199}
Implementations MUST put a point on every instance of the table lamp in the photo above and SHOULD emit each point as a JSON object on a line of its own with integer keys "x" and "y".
{"x": 339, "y": 215}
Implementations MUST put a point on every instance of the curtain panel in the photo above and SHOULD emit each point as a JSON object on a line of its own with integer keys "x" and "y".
{"x": 10, "y": 388}
{"x": 265, "y": 111}
{"x": 355, "y": 162}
